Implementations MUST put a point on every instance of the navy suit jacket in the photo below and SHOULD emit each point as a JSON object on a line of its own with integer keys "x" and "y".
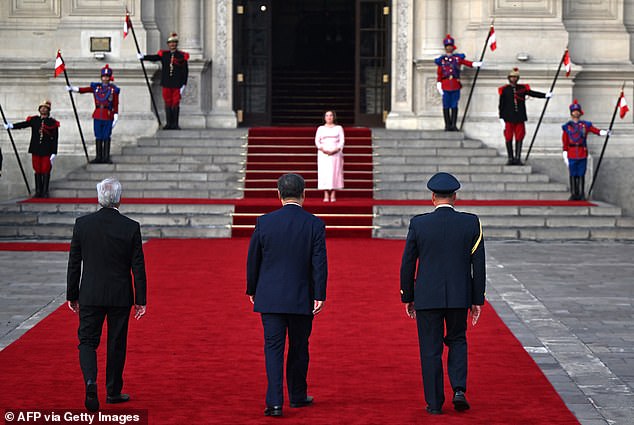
{"x": 449, "y": 248}
{"x": 109, "y": 246}
{"x": 287, "y": 267}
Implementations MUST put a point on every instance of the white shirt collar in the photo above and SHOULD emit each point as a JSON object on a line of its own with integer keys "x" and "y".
{"x": 445, "y": 205}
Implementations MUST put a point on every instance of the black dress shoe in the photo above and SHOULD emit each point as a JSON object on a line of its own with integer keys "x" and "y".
{"x": 121, "y": 398}
{"x": 92, "y": 402}
{"x": 273, "y": 411}
{"x": 433, "y": 411}
{"x": 460, "y": 401}
{"x": 304, "y": 403}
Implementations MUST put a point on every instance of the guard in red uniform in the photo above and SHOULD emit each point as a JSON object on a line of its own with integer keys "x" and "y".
{"x": 448, "y": 82}
{"x": 575, "y": 133}
{"x": 43, "y": 146}
{"x": 174, "y": 72}
{"x": 106, "y": 112}
{"x": 512, "y": 112}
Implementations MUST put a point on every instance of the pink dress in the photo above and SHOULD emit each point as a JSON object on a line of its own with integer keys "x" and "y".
{"x": 329, "y": 167}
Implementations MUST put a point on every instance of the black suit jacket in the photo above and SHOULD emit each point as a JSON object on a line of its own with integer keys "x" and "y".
{"x": 109, "y": 246}
{"x": 44, "y": 134}
{"x": 449, "y": 249}
{"x": 287, "y": 268}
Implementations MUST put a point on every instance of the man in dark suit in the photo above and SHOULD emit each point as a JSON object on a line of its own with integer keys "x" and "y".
{"x": 286, "y": 281}
{"x": 109, "y": 245}
{"x": 450, "y": 280}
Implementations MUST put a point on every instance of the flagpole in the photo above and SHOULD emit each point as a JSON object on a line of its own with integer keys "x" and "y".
{"x": 475, "y": 78}
{"x": 552, "y": 87}
{"x": 72, "y": 101}
{"x": 147, "y": 81}
{"x": 26, "y": 182}
{"x": 607, "y": 137}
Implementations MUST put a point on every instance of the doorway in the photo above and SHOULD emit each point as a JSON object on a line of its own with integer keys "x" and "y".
{"x": 295, "y": 59}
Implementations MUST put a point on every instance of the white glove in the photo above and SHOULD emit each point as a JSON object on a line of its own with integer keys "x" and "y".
{"x": 8, "y": 126}
{"x": 72, "y": 88}
{"x": 182, "y": 89}
{"x": 565, "y": 155}
{"x": 53, "y": 158}
{"x": 439, "y": 88}
{"x": 115, "y": 119}
{"x": 502, "y": 123}
{"x": 478, "y": 64}
{"x": 604, "y": 132}
{"x": 140, "y": 56}
{"x": 549, "y": 95}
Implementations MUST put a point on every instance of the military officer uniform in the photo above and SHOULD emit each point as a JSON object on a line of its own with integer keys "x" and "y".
{"x": 43, "y": 146}
{"x": 106, "y": 113}
{"x": 442, "y": 277}
{"x": 575, "y": 149}
{"x": 448, "y": 81}
{"x": 512, "y": 111}
{"x": 174, "y": 73}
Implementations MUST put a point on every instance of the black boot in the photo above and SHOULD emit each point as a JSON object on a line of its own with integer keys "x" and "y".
{"x": 518, "y": 153}
{"x": 454, "y": 119}
{"x": 582, "y": 189}
{"x": 168, "y": 118}
{"x": 38, "y": 186}
{"x": 106, "y": 152}
{"x": 176, "y": 111}
{"x": 447, "y": 116}
{"x": 573, "y": 190}
{"x": 509, "y": 152}
{"x": 97, "y": 159}
{"x": 46, "y": 179}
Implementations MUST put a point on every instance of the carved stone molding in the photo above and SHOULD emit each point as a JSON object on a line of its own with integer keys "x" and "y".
{"x": 432, "y": 97}
{"x": 524, "y": 8}
{"x": 101, "y": 7}
{"x": 591, "y": 9}
{"x": 35, "y": 9}
{"x": 220, "y": 56}
{"x": 402, "y": 43}
{"x": 191, "y": 95}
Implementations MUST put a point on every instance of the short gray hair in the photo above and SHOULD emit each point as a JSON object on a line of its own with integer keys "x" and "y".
{"x": 109, "y": 192}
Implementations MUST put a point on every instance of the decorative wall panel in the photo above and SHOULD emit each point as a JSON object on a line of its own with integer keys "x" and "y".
{"x": 35, "y": 8}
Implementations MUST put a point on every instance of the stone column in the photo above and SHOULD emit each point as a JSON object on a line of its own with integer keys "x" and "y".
{"x": 190, "y": 27}
{"x": 402, "y": 112}
{"x": 432, "y": 21}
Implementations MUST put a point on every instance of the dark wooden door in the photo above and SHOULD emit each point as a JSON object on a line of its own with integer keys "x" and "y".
{"x": 252, "y": 61}
{"x": 372, "y": 62}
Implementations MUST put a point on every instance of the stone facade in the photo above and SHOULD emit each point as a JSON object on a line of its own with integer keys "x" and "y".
{"x": 532, "y": 34}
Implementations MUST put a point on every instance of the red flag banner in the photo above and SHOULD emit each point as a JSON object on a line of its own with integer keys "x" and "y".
{"x": 127, "y": 25}
{"x": 567, "y": 63}
{"x": 492, "y": 43}
{"x": 623, "y": 108}
{"x": 59, "y": 64}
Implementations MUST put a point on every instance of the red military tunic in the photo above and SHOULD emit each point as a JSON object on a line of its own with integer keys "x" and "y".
{"x": 448, "y": 73}
{"x": 574, "y": 138}
{"x": 106, "y": 100}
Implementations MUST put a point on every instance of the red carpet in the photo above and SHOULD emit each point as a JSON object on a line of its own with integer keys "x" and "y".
{"x": 196, "y": 358}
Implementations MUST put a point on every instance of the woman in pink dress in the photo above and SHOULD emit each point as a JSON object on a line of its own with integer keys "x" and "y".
{"x": 329, "y": 140}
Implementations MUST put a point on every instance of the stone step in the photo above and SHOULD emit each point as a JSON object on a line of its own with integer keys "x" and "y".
{"x": 184, "y": 150}
{"x": 383, "y": 134}
{"x": 207, "y": 133}
{"x": 426, "y": 143}
{"x": 186, "y": 167}
{"x": 154, "y": 193}
{"x": 150, "y": 160}
{"x": 149, "y": 176}
{"x": 23, "y": 209}
{"x": 130, "y": 185}
{"x": 480, "y": 186}
{"x": 423, "y": 194}
{"x": 402, "y": 169}
{"x": 423, "y": 177}
{"x": 417, "y": 152}
{"x": 194, "y": 142}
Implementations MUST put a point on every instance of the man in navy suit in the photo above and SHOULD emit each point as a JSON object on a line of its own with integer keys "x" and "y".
{"x": 106, "y": 250}
{"x": 287, "y": 271}
{"x": 449, "y": 281}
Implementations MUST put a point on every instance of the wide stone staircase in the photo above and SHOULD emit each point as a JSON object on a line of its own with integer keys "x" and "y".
{"x": 513, "y": 202}
{"x": 168, "y": 181}
{"x": 188, "y": 184}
